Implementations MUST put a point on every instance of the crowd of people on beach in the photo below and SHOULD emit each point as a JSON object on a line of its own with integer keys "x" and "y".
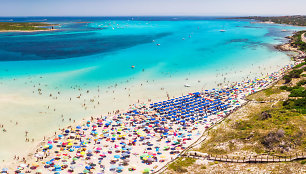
{"x": 143, "y": 139}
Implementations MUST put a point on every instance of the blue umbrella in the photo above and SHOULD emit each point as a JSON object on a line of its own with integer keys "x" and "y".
{"x": 88, "y": 167}
{"x": 78, "y": 127}
{"x": 120, "y": 167}
{"x": 112, "y": 167}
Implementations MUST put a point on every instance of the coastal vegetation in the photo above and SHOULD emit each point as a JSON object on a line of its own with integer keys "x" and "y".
{"x": 181, "y": 164}
{"x": 24, "y": 26}
{"x": 290, "y": 20}
{"x": 297, "y": 42}
{"x": 295, "y": 73}
{"x": 272, "y": 123}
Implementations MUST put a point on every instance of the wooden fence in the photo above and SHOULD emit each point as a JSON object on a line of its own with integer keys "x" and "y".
{"x": 204, "y": 135}
{"x": 251, "y": 159}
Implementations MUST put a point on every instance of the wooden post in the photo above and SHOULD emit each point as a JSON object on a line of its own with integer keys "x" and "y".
{"x": 279, "y": 158}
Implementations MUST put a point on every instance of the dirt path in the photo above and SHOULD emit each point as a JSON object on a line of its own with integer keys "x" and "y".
{"x": 303, "y": 37}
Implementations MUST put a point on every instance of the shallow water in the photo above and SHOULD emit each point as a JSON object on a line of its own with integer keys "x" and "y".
{"x": 108, "y": 47}
{"x": 99, "y": 54}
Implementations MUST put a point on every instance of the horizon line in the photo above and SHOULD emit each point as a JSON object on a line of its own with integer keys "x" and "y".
{"x": 159, "y": 16}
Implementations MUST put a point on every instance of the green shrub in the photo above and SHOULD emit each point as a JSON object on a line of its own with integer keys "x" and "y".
{"x": 180, "y": 163}
{"x": 300, "y": 92}
{"x": 299, "y": 65}
{"x": 299, "y": 104}
{"x": 301, "y": 83}
{"x": 295, "y": 73}
{"x": 284, "y": 88}
{"x": 287, "y": 78}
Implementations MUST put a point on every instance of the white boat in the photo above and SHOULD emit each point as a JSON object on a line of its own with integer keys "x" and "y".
{"x": 158, "y": 44}
{"x": 222, "y": 30}
{"x": 187, "y": 85}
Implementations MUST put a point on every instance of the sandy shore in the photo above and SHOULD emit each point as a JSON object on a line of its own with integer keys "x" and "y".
{"x": 43, "y": 110}
{"x": 247, "y": 88}
{"x": 41, "y": 114}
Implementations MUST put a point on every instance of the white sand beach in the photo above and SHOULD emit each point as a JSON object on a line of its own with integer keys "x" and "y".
{"x": 24, "y": 112}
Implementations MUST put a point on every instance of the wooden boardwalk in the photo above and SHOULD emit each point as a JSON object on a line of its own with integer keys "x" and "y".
{"x": 204, "y": 136}
{"x": 262, "y": 159}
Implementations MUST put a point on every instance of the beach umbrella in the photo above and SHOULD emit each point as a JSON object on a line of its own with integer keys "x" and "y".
{"x": 126, "y": 160}
{"x": 146, "y": 170}
{"x": 120, "y": 167}
{"x": 132, "y": 168}
{"x": 117, "y": 156}
{"x": 35, "y": 164}
{"x": 150, "y": 160}
{"x": 85, "y": 171}
{"x": 112, "y": 167}
{"x": 23, "y": 165}
{"x": 88, "y": 167}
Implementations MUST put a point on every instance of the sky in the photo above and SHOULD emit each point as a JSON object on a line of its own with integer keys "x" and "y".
{"x": 151, "y": 7}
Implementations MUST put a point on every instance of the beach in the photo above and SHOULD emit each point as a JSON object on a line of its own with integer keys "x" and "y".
{"x": 45, "y": 103}
{"x": 55, "y": 111}
{"x": 98, "y": 135}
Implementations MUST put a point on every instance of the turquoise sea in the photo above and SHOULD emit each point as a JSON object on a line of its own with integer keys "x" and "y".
{"x": 96, "y": 53}
{"x": 101, "y": 50}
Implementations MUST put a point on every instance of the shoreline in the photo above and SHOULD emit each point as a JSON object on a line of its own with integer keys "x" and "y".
{"x": 205, "y": 134}
{"x": 6, "y": 27}
{"x": 25, "y": 31}
{"x": 288, "y": 47}
{"x": 81, "y": 121}
{"x": 293, "y": 20}
{"x": 243, "y": 101}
